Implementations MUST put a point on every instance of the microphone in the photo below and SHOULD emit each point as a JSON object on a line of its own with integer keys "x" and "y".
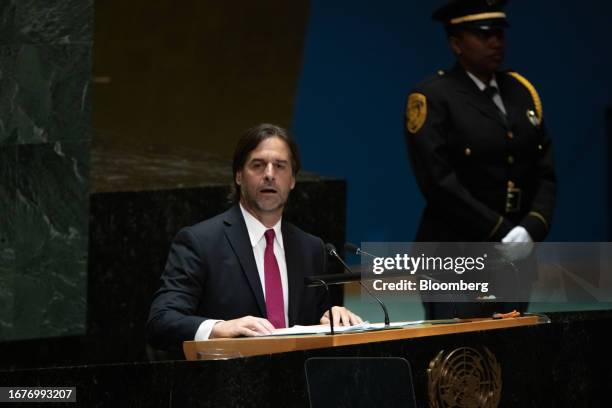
{"x": 331, "y": 250}
{"x": 354, "y": 249}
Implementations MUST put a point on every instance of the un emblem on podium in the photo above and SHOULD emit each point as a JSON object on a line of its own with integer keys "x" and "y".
{"x": 464, "y": 378}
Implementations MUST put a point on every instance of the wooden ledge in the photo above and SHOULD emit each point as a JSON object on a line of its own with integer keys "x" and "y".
{"x": 253, "y": 346}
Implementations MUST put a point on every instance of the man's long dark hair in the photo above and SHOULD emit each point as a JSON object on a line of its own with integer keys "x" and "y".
{"x": 249, "y": 142}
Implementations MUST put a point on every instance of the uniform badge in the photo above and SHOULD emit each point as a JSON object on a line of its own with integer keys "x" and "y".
{"x": 416, "y": 112}
{"x": 533, "y": 118}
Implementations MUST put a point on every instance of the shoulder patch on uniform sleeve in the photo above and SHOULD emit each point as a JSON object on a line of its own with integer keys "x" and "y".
{"x": 537, "y": 102}
{"x": 416, "y": 112}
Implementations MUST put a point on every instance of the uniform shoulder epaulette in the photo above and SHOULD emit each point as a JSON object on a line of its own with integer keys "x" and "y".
{"x": 537, "y": 102}
{"x": 440, "y": 74}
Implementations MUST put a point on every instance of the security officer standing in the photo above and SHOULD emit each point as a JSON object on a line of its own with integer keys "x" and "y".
{"x": 478, "y": 143}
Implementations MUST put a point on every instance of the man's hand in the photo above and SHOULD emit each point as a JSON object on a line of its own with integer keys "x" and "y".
{"x": 341, "y": 315}
{"x": 245, "y": 326}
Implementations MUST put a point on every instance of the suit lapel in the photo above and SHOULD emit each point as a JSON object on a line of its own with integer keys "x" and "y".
{"x": 295, "y": 274}
{"x": 476, "y": 98}
{"x": 510, "y": 99}
{"x": 238, "y": 237}
{"x": 511, "y": 112}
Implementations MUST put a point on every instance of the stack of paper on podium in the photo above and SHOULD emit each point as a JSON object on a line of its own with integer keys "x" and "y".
{"x": 325, "y": 329}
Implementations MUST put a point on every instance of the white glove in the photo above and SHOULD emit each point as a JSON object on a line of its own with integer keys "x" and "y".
{"x": 518, "y": 234}
{"x": 516, "y": 245}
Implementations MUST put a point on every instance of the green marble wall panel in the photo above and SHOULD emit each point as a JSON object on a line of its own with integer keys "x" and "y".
{"x": 45, "y": 130}
{"x": 44, "y": 93}
{"x": 46, "y": 21}
{"x": 8, "y": 8}
{"x": 8, "y": 179}
{"x": 51, "y": 213}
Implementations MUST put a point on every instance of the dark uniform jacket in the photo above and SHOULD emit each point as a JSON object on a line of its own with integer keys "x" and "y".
{"x": 482, "y": 172}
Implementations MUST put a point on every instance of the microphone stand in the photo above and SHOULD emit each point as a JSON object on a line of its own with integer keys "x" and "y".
{"x": 332, "y": 251}
{"x": 329, "y": 306}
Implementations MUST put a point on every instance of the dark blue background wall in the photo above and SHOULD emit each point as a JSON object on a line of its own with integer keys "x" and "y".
{"x": 361, "y": 59}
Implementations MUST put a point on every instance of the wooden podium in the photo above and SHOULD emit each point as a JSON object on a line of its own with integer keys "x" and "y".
{"x": 253, "y": 346}
{"x": 521, "y": 363}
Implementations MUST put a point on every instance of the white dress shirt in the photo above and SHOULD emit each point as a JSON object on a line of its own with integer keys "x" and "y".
{"x": 256, "y": 232}
{"x": 493, "y": 82}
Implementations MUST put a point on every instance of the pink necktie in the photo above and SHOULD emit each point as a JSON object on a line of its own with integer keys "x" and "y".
{"x": 275, "y": 304}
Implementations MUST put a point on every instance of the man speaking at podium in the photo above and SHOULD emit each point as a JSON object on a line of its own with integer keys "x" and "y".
{"x": 242, "y": 272}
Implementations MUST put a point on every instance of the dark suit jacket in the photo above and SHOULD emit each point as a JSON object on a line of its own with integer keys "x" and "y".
{"x": 466, "y": 153}
{"x": 211, "y": 274}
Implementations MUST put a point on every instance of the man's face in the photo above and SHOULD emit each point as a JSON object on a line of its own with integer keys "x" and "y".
{"x": 266, "y": 177}
{"x": 480, "y": 51}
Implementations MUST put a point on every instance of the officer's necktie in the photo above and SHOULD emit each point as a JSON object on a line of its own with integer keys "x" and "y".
{"x": 491, "y": 91}
{"x": 275, "y": 304}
